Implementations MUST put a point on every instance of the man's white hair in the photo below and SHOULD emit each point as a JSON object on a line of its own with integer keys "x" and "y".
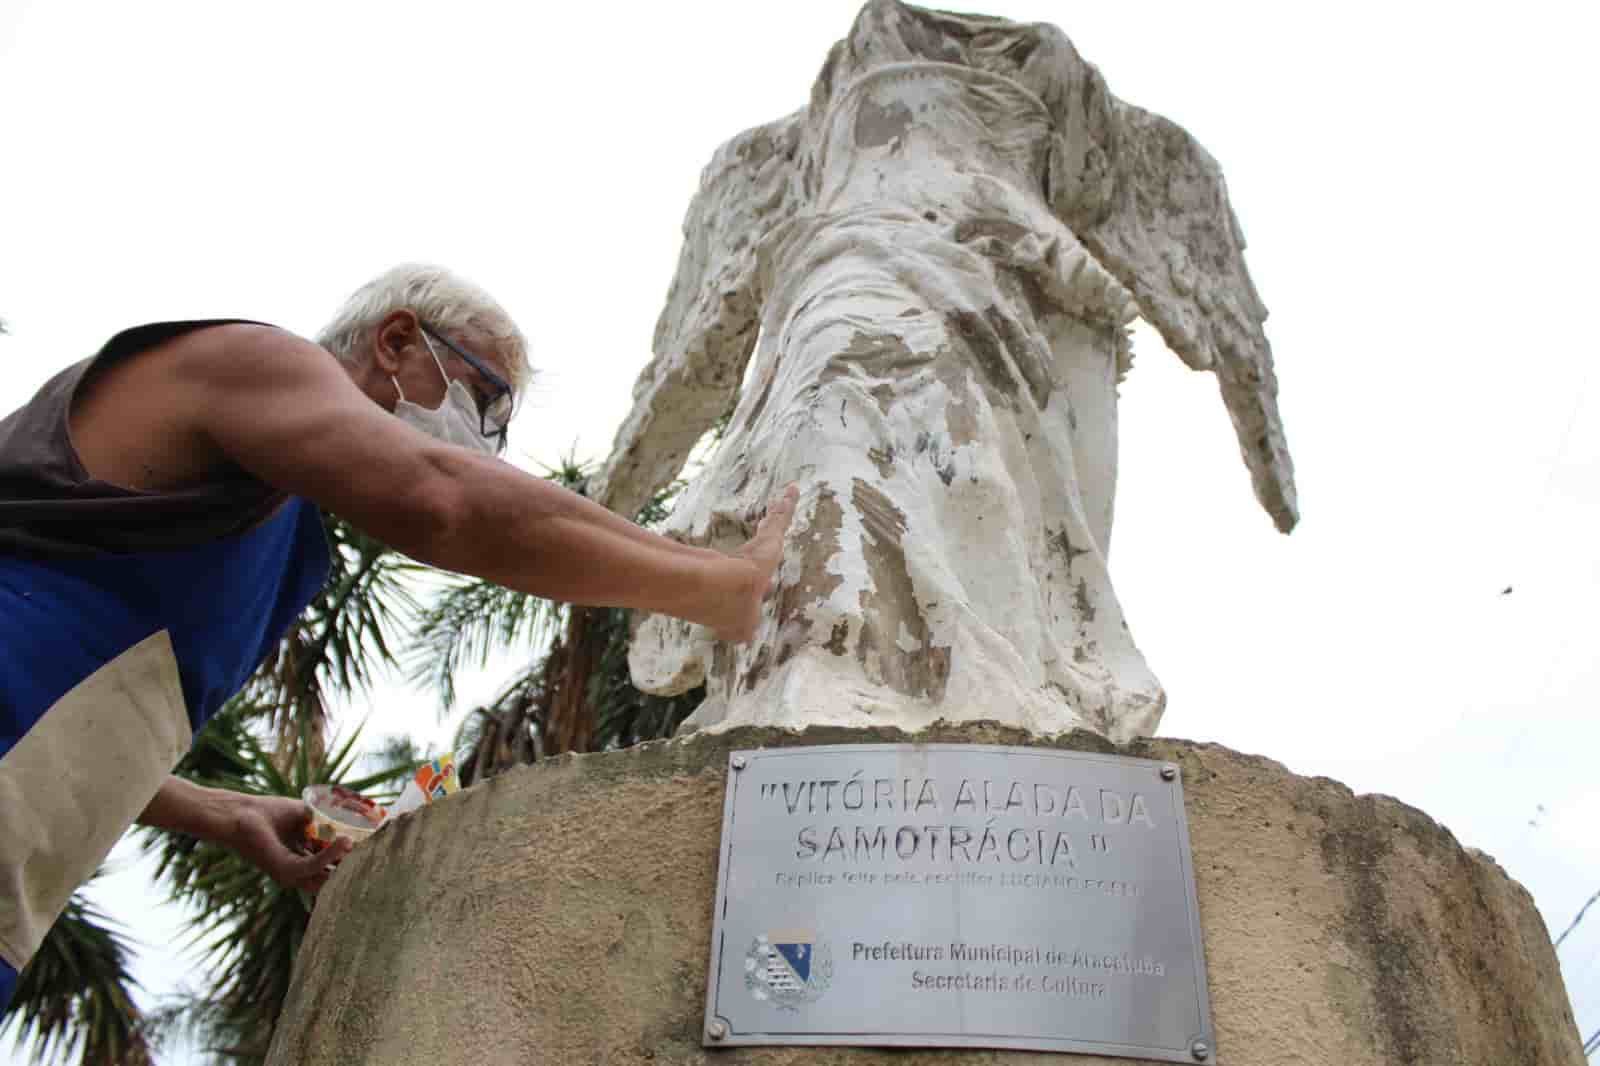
{"x": 443, "y": 300}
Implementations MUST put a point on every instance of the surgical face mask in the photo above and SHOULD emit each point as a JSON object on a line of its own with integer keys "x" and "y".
{"x": 454, "y": 421}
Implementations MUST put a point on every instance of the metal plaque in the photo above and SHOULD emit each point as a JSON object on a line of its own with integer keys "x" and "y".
{"x": 957, "y": 895}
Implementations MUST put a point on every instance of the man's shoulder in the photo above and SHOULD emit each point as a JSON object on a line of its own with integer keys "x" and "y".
{"x": 231, "y": 354}
{"x": 141, "y": 338}
{"x": 234, "y": 337}
{"x": 139, "y": 416}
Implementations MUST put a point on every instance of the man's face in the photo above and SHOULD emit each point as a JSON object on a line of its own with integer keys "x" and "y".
{"x": 418, "y": 351}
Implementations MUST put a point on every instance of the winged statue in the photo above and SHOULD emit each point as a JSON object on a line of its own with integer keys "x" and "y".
{"x": 914, "y": 296}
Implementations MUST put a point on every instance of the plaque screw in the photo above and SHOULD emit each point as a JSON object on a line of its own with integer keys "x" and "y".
{"x": 739, "y": 762}
{"x": 1170, "y": 773}
{"x": 717, "y": 1030}
{"x": 1199, "y": 1049}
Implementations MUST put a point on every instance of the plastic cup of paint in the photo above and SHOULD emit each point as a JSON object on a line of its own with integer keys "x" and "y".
{"x": 338, "y": 812}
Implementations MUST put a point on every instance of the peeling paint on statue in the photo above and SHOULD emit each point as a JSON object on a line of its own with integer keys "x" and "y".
{"x": 941, "y": 253}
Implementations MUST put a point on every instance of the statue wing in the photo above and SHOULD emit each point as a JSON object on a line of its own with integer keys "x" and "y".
{"x": 1165, "y": 229}
{"x": 708, "y": 328}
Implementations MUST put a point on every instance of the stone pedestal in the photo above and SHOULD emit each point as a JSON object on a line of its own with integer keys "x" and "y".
{"x": 562, "y": 914}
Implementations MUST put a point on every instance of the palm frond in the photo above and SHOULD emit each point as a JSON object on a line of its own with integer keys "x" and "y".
{"x": 570, "y": 473}
{"x": 395, "y": 753}
{"x": 578, "y": 696}
{"x": 342, "y": 642}
{"x": 467, "y": 622}
{"x": 76, "y": 995}
{"x": 470, "y": 732}
{"x": 470, "y": 619}
{"x": 1578, "y": 920}
{"x": 507, "y": 733}
{"x": 187, "y": 1017}
{"x": 362, "y": 611}
{"x": 249, "y": 928}
{"x": 591, "y": 702}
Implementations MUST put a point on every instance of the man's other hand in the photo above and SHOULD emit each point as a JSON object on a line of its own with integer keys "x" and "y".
{"x": 269, "y": 832}
{"x": 266, "y": 831}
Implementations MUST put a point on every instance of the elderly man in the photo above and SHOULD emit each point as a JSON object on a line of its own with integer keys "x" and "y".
{"x": 159, "y": 530}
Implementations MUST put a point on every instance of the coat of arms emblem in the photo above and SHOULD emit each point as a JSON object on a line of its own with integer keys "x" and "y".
{"x": 788, "y": 967}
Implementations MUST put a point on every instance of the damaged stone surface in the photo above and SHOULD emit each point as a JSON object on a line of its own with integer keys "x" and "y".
{"x": 913, "y": 294}
{"x": 561, "y": 914}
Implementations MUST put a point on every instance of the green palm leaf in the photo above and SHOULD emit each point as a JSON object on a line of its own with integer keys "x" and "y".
{"x": 576, "y": 696}
{"x": 469, "y": 619}
{"x": 341, "y": 643}
{"x": 249, "y": 928}
{"x": 509, "y": 732}
{"x": 467, "y": 622}
{"x": 76, "y": 994}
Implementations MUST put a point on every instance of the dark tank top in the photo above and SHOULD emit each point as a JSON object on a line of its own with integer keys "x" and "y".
{"x": 51, "y": 508}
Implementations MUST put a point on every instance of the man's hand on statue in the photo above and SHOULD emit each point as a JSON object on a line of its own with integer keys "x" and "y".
{"x": 269, "y": 832}
{"x": 765, "y": 552}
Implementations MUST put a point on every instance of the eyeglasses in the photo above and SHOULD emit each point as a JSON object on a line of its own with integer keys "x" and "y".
{"x": 495, "y": 409}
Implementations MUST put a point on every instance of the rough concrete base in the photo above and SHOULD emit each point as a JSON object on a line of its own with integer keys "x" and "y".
{"x": 562, "y": 914}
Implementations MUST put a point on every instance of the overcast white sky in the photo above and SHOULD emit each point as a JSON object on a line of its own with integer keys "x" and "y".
{"x": 1416, "y": 182}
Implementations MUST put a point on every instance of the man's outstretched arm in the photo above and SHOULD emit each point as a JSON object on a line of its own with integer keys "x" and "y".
{"x": 283, "y": 409}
